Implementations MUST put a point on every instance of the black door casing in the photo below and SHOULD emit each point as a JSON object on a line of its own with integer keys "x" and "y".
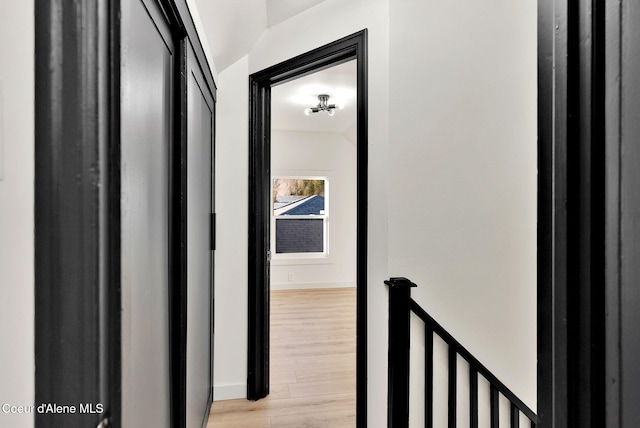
{"x": 345, "y": 49}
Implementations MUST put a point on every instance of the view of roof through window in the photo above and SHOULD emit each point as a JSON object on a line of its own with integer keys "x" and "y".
{"x": 299, "y": 210}
{"x": 297, "y": 196}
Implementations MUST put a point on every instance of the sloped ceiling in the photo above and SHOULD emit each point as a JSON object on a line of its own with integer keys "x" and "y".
{"x": 281, "y": 10}
{"x": 232, "y": 27}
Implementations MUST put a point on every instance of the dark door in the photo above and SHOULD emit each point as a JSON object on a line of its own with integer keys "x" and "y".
{"x": 624, "y": 317}
{"x": 200, "y": 241}
{"x": 146, "y": 92}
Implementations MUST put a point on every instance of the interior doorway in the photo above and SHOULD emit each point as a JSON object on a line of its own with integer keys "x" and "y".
{"x": 351, "y": 48}
{"x": 313, "y": 245}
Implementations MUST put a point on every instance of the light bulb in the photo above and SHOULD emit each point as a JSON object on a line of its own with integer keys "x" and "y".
{"x": 341, "y": 106}
{"x": 307, "y": 111}
{"x": 331, "y": 112}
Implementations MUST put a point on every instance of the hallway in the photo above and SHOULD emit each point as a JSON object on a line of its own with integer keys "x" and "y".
{"x": 313, "y": 360}
{"x": 450, "y": 198}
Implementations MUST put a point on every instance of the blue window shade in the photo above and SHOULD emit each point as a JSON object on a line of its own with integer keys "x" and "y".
{"x": 299, "y": 235}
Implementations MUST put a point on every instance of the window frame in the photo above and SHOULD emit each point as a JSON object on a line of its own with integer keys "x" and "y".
{"x": 310, "y": 256}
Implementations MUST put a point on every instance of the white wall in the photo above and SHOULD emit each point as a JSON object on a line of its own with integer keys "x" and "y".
{"x": 333, "y": 156}
{"x": 231, "y": 159}
{"x": 463, "y": 126}
{"x": 16, "y": 209}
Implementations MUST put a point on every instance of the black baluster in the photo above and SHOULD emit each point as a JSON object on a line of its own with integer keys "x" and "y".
{"x": 495, "y": 407}
{"x": 428, "y": 384}
{"x": 515, "y": 416}
{"x": 473, "y": 397}
{"x": 453, "y": 376}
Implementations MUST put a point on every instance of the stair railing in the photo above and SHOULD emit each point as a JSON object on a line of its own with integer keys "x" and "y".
{"x": 400, "y": 307}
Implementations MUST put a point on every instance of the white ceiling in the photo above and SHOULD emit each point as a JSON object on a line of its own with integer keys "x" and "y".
{"x": 234, "y": 26}
{"x": 289, "y": 100}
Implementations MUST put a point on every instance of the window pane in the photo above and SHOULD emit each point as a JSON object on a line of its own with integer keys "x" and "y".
{"x": 287, "y": 192}
{"x": 299, "y": 210}
{"x": 299, "y": 235}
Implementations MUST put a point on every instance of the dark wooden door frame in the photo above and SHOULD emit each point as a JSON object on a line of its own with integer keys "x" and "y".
{"x": 76, "y": 281}
{"x": 569, "y": 229}
{"x": 584, "y": 188}
{"x": 77, "y": 208}
{"x": 260, "y": 83}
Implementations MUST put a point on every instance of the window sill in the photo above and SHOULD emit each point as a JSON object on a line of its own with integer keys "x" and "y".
{"x": 293, "y": 260}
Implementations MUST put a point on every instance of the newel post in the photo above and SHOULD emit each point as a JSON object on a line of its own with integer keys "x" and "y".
{"x": 399, "y": 336}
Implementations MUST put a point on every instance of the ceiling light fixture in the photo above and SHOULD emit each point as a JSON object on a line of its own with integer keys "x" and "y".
{"x": 323, "y": 105}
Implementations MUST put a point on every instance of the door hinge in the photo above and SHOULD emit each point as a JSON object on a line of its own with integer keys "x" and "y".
{"x": 269, "y": 255}
{"x": 212, "y": 228}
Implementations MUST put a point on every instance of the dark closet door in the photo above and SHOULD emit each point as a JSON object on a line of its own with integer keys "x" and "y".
{"x": 200, "y": 113}
{"x": 146, "y": 128}
{"x": 625, "y": 166}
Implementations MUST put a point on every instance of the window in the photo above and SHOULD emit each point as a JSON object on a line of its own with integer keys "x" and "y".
{"x": 300, "y": 215}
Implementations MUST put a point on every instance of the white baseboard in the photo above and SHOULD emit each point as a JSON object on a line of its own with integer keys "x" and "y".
{"x": 312, "y": 285}
{"x": 229, "y": 392}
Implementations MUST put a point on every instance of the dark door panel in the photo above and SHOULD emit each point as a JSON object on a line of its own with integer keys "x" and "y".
{"x": 146, "y": 116}
{"x": 199, "y": 245}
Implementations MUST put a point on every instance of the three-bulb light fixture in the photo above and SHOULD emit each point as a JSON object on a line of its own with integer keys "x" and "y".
{"x": 323, "y": 105}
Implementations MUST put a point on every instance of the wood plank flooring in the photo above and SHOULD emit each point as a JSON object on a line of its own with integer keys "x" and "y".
{"x": 313, "y": 365}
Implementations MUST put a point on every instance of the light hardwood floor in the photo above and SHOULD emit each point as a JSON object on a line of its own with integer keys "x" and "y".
{"x": 313, "y": 365}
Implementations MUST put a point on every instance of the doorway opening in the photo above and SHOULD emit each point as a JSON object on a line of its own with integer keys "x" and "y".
{"x": 261, "y": 253}
{"x": 313, "y": 244}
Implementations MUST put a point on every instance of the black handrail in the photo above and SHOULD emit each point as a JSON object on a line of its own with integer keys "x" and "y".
{"x": 400, "y": 307}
